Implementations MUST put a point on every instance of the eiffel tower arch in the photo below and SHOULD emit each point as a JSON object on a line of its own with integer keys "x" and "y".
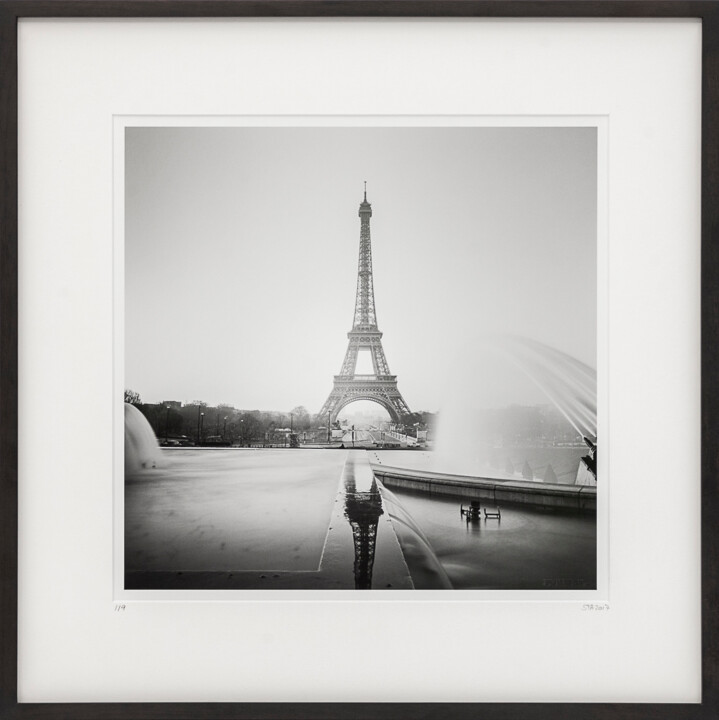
{"x": 381, "y": 385}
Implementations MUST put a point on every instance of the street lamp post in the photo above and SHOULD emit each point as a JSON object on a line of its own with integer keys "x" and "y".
{"x": 199, "y": 413}
{"x": 167, "y": 425}
{"x": 200, "y": 425}
{"x": 224, "y": 429}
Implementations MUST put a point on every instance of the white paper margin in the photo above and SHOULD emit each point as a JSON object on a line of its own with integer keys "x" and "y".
{"x": 75, "y": 76}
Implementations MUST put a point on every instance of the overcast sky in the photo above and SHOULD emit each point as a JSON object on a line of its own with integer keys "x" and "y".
{"x": 242, "y": 245}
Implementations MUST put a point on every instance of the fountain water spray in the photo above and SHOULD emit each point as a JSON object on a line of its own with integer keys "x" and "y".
{"x": 141, "y": 449}
{"x": 567, "y": 382}
{"x": 489, "y": 372}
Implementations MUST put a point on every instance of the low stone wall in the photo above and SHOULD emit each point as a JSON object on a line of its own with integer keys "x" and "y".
{"x": 569, "y": 497}
{"x": 408, "y": 439}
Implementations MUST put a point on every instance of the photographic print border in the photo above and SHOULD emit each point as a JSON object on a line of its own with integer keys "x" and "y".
{"x": 11, "y": 11}
{"x": 598, "y": 124}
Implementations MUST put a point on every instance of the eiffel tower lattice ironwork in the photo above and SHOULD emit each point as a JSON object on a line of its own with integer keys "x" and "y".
{"x": 363, "y": 510}
{"x": 380, "y": 387}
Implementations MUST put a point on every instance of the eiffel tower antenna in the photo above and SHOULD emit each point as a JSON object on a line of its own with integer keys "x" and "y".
{"x": 381, "y": 386}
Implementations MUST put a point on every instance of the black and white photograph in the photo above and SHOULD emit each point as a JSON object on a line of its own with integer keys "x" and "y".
{"x": 361, "y": 357}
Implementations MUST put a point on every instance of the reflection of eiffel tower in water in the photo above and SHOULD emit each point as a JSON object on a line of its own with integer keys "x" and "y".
{"x": 380, "y": 387}
{"x": 363, "y": 509}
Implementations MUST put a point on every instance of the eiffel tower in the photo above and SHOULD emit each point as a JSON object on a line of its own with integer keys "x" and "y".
{"x": 380, "y": 387}
{"x": 363, "y": 510}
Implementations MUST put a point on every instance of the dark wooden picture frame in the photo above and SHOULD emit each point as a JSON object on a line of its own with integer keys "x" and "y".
{"x": 12, "y": 10}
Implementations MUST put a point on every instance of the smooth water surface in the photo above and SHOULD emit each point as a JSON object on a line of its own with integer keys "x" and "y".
{"x": 527, "y": 549}
{"x": 243, "y": 510}
{"x": 235, "y": 509}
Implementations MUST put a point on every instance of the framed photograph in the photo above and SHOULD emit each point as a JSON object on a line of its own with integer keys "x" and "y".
{"x": 358, "y": 359}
